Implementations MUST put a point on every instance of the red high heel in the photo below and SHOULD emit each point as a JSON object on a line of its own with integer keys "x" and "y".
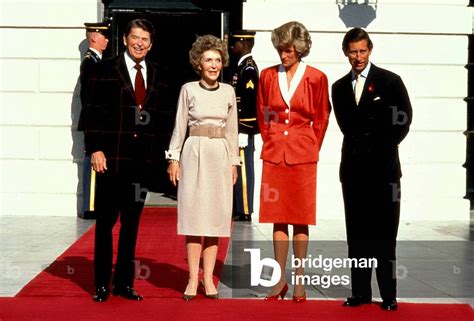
{"x": 281, "y": 294}
{"x": 300, "y": 299}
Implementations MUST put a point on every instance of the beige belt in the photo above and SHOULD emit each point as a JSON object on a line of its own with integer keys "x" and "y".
{"x": 207, "y": 131}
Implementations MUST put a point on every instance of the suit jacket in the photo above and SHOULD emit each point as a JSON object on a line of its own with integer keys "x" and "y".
{"x": 113, "y": 123}
{"x": 292, "y": 124}
{"x": 373, "y": 129}
{"x": 245, "y": 82}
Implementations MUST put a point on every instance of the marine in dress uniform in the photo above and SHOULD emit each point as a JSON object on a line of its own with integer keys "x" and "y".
{"x": 245, "y": 83}
{"x": 97, "y": 37}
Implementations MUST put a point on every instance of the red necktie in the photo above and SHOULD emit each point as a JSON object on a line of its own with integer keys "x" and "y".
{"x": 140, "y": 90}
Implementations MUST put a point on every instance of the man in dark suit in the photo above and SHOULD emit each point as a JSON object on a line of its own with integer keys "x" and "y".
{"x": 374, "y": 113}
{"x": 245, "y": 82}
{"x": 97, "y": 39}
{"x": 121, "y": 124}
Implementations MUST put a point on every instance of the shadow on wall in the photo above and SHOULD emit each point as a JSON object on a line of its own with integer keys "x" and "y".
{"x": 77, "y": 150}
{"x": 357, "y": 13}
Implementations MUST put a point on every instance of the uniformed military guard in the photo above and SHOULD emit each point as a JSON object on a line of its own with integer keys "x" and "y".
{"x": 245, "y": 82}
{"x": 97, "y": 38}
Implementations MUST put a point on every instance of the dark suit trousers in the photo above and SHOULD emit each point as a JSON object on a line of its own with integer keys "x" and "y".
{"x": 116, "y": 196}
{"x": 244, "y": 188}
{"x": 372, "y": 213}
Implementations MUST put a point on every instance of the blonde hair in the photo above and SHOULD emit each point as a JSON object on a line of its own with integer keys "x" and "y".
{"x": 292, "y": 33}
{"x": 203, "y": 44}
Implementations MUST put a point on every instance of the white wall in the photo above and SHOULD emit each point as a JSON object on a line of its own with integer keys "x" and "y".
{"x": 39, "y": 64}
{"x": 40, "y": 150}
{"x": 423, "y": 42}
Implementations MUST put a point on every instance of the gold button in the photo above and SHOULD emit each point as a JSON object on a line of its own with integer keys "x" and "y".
{"x": 287, "y": 110}
{"x": 135, "y": 135}
{"x": 286, "y": 121}
{"x": 285, "y": 133}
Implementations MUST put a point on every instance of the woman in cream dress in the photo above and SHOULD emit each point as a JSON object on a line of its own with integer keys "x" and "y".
{"x": 205, "y": 167}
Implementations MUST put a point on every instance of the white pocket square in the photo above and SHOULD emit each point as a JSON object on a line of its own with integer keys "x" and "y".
{"x": 377, "y": 98}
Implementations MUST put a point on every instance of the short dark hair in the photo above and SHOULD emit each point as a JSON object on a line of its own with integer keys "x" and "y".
{"x": 356, "y": 35}
{"x": 142, "y": 24}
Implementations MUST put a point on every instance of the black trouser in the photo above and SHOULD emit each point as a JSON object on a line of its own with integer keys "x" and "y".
{"x": 244, "y": 187}
{"x": 372, "y": 212}
{"x": 116, "y": 195}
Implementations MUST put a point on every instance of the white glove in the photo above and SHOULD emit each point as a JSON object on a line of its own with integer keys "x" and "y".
{"x": 243, "y": 140}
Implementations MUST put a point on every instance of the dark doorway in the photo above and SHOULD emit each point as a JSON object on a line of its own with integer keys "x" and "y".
{"x": 174, "y": 34}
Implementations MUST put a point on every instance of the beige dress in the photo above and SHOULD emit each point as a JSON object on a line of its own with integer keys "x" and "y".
{"x": 205, "y": 182}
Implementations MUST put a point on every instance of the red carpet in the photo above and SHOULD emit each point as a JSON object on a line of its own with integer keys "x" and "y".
{"x": 83, "y": 309}
{"x": 160, "y": 255}
{"x": 63, "y": 291}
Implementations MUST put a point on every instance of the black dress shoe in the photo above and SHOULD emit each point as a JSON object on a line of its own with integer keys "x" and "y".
{"x": 242, "y": 218}
{"x": 101, "y": 294}
{"x": 389, "y": 305}
{"x": 355, "y": 301}
{"x": 127, "y": 293}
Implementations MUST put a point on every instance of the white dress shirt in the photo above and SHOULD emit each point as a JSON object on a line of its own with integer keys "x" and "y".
{"x": 132, "y": 72}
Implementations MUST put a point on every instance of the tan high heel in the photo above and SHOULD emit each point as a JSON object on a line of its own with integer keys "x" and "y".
{"x": 189, "y": 297}
{"x": 213, "y": 296}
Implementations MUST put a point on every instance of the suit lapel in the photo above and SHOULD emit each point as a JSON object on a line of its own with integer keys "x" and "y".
{"x": 348, "y": 91}
{"x": 368, "y": 82}
{"x": 287, "y": 93}
{"x": 150, "y": 79}
{"x": 125, "y": 76}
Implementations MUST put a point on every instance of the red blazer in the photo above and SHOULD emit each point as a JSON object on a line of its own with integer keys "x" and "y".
{"x": 292, "y": 129}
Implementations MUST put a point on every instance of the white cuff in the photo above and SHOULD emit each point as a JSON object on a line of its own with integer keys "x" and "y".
{"x": 243, "y": 140}
{"x": 236, "y": 161}
{"x": 172, "y": 155}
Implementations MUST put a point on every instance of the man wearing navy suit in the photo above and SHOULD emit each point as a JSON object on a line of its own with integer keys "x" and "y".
{"x": 121, "y": 125}
{"x": 374, "y": 113}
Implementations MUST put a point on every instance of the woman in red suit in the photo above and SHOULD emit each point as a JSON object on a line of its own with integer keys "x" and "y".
{"x": 293, "y": 112}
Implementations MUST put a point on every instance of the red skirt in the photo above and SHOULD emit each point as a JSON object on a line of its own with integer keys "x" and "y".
{"x": 288, "y": 193}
